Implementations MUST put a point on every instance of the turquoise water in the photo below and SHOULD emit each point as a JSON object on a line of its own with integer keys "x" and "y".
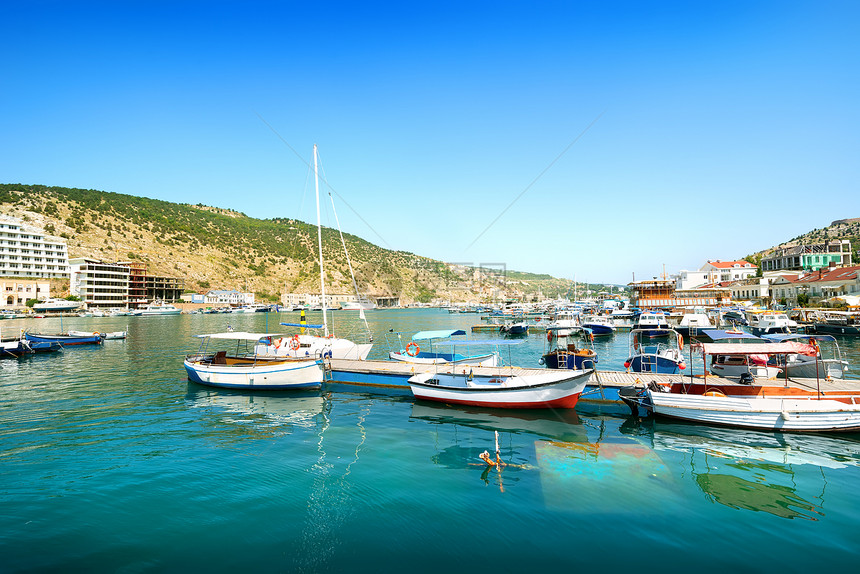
{"x": 110, "y": 460}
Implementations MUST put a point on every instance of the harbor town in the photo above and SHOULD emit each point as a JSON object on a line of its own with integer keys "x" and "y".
{"x": 449, "y": 287}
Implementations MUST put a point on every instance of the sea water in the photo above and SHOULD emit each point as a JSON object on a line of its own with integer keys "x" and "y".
{"x": 110, "y": 460}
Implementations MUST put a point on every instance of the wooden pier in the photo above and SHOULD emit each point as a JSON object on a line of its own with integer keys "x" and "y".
{"x": 603, "y": 386}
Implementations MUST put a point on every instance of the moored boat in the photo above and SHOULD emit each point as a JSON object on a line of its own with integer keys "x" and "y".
{"x": 655, "y": 351}
{"x": 412, "y": 353}
{"x": 562, "y": 352}
{"x": 66, "y": 339}
{"x": 248, "y": 370}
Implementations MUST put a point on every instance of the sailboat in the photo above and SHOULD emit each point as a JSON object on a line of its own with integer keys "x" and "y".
{"x": 325, "y": 345}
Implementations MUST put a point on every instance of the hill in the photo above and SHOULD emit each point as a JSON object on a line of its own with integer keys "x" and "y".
{"x": 214, "y": 248}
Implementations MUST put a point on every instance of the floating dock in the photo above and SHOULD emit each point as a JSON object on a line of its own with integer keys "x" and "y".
{"x": 486, "y": 328}
{"x": 602, "y": 388}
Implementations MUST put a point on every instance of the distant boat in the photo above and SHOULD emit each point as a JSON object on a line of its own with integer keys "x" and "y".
{"x": 518, "y": 328}
{"x": 249, "y": 370}
{"x": 837, "y": 322}
{"x": 158, "y": 308}
{"x": 769, "y": 322}
{"x": 57, "y": 305}
{"x": 599, "y": 325}
{"x": 362, "y": 304}
{"x": 660, "y": 355}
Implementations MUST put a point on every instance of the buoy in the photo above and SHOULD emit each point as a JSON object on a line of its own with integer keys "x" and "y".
{"x": 626, "y": 364}
{"x": 682, "y": 366}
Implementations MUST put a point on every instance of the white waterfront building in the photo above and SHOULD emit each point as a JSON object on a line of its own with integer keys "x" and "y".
{"x": 26, "y": 251}
{"x": 232, "y": 298}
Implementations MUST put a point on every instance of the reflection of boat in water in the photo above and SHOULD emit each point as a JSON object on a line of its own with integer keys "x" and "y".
{"x": 562, "y": 424}
{"x": 299, "y": 408}
{"x": 757, "y": 471}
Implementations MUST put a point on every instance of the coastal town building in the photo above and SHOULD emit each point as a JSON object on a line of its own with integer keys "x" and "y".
{"x": 228, "y": 298}
{"x": 823, "y": 283}
{"x": 661, "y": 293}
{"x": 16, "y": 292}
{"x": 715, "y": 272}
{"x": 809, "y": 257}
{"x": 26, "y": 251}
{"x": 332, "y": 300}
{"x": 125, "y": 284}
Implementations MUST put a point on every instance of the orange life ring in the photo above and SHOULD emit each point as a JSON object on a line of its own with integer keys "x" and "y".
{"x": 412, "y": 349}
{"x": 680, "y": 340}
{"x": 295, "y": 343}
{"x": 96, "y": 334}
{"x": 549, "y": 336}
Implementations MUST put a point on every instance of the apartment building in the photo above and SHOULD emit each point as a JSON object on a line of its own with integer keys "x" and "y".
{"x": 26, "y": 251}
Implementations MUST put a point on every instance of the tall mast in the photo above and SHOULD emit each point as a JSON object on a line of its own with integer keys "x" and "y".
{"x": 319, "y": 239}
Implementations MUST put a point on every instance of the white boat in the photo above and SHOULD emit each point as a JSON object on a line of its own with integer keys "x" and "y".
{"x": 248, "y": 370}
{"x": 362, "y": 304}
{"x": 158, "y": 308}
{"x": 554, "y": 389}
{"x": 775, "y": 414}
{"x": 413, "y": 353}
{"x": 57, "y": 305}
{"x": 769, "y": 322}
{"x": 828, "y": 365}
{"x": 115, "y": 335}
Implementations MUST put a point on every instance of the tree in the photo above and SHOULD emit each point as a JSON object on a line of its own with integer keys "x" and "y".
{"x": 31, "y": 302}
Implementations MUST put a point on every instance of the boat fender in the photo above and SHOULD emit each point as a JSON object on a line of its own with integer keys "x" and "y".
{"x": 278, "y": 343}
{"x": 680, "y": 342}
{"x": 412, "y": 349}
{"x": 294, "y": 342}
{"x": 785, "y": 415}
{"x": 541, "y": 361}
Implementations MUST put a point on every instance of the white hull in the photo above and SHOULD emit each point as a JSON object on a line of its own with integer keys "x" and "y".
{"x": 767, "y": 414}
{"x": 312, "y": 346}
{"x": 60, "y": 305}
{"x": 557, "y": 389}
{"x": 271, "y": 375}
{"x": 490, "y": 360}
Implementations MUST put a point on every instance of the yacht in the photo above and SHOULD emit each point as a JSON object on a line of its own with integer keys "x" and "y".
{"x": 158, "y": 308}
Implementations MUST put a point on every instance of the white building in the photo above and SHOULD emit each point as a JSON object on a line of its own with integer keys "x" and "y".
{"x": 715, "y": 272}
{"x": 332, "y": 300}
{"x": 232, "y": 298}
{"x": 26, "y": 251}
{"x": 99, "y": 284}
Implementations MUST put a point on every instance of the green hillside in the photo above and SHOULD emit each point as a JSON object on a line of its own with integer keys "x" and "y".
{"x": 217, "y": 248}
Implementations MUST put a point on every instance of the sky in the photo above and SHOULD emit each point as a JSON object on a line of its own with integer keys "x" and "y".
{"x": 602, "y": 141}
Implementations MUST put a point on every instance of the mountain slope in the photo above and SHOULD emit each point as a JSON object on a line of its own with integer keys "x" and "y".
{"x": 222, "y": 249}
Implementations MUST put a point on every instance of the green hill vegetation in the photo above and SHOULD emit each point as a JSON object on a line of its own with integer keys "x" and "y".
{"x": 214, "y": 248}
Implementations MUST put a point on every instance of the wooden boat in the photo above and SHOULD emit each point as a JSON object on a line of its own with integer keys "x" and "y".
{"x": 14, "y": 348}
{"x": 553, "y": 389}
{"x": 413, "y": 353}
{"x": 66, "y": 339}
{"x": 837, "y": 322}
{"x": 248, "y": 370}
{"x": 776, "y": 414}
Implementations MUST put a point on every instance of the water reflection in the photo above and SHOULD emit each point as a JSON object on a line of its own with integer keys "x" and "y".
{"x": 262, "y": 410}
{"x": 780, "y": 474}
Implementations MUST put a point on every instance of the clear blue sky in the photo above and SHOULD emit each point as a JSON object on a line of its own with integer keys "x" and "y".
{"x": 721, "y": 127}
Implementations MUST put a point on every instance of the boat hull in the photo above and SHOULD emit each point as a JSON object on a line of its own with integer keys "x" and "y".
{"x": 790, "y": 415}
{"x": 66, "y": 340}
{"x": 489, "y": 360}
{"x": 276, "y": 375}
{"x": 529, "y": 392}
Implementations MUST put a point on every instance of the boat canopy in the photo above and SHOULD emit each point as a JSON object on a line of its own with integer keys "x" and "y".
{"x": 480, "y": 342}
{"x": 782, "y": 337}
{"x": 758, "y": 348}
{"x": 715, "y": 334}
{"x": 443, "y": 334}
{"x": 240, "y": 336}
{"x": 302, "y": 326}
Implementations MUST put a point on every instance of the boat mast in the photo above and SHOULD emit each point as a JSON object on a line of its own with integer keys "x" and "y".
{"x": 319, "y": 239}
{"x": 348, "y": 262}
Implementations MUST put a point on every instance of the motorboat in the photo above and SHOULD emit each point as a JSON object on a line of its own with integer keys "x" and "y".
{"x": 57, "y": 305}
{"x": 245, "y": 369}
{"x": 836, "y": 322}
{"x": 692, "y": 324}
{"x": 769, "y": 322}
{"x": 655, "y": 351}
{"x": 158, "y": 308}
{"x": 599, "y": 325}
{"x": 652, "y": 324}
{"x": 562, "y": 352}
{"x": 517, "y": 328}
{"x": 412, "y": 353}
{"x": 734, "y": 361}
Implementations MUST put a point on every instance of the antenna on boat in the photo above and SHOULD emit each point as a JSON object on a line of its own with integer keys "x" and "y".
{"x": 319, "y": 239}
